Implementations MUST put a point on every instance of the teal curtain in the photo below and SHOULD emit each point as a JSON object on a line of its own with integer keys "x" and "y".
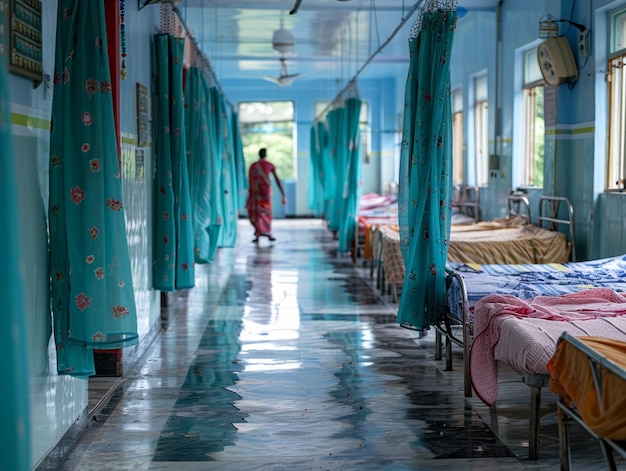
{"x": 173, "y": 265}
{"x": 228, "y": 234}
{"x": 217, "y": 144}
{"x": 200, "y": 153}
{"x": 425, "y": 182}
{"x": 240, "y": 162}
{"x": 315, "y": 194}
{"x": 91, "y": 286}
{"x": 338, "y": 132}
{"x": 353, "y": 176}
{"x": 328, "y": 169}
{"x": 14, "y": 395}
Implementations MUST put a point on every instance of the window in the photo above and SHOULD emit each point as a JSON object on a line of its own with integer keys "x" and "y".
{"x": 534, "y": 126}
{"x": 457, "y": 136}
{"x": 366, "y": 132}
{"x": 481, "y": 121}
{"x": 269, "y": 124}
{"x": 616, "y": 103}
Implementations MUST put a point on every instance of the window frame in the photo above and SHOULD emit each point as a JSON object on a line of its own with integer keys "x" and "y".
{"x": 529, "y": 168}
{"x": 615, "y": 170}
{"x": 532, "y": 81}
{"x": 481, "y": 129}
{"x": 275, "y": 155}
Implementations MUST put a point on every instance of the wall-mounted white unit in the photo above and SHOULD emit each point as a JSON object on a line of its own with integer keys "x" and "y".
{"x": 556, "y": 61}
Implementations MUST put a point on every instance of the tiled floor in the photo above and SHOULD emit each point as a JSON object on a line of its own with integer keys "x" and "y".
{"x": 284, "y": 357}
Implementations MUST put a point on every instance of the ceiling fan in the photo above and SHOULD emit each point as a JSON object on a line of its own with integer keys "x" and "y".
{"x": 285, "y": 78}
{"x": 296, "y": 6}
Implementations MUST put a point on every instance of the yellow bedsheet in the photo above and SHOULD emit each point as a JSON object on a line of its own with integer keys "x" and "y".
{"x": 506, "y": 244}
{"x": 503, "y": 242}
{"x": 571, "y": 378}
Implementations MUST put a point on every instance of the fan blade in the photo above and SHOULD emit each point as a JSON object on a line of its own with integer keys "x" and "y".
{"x": 275, "y": 80}
{"x": 294, "y": 10}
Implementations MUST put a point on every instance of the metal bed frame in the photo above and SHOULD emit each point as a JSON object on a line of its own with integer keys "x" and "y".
{"x": 549, "y": 207}
{"x": 467, "y": 198}
{"x": 518, "y": 205}
{"x": 567, "y": 415}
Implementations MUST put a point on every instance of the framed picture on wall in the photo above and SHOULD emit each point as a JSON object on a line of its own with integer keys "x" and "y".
{"x": 25, "y": 39}
{"x": 142, "y": 115}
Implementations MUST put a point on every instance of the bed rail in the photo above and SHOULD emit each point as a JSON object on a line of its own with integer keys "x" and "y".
{"x": 599, "y": 365}
{"x": 467, "y": 199}
{"x": 549, "y": 212}
{"x": 518, "y": 205}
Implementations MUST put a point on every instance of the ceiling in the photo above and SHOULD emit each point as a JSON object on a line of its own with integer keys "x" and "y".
{"x": 333, "y": 39}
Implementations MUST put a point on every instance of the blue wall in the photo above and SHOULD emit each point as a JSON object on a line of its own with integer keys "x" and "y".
{"x": 575, "y": 153}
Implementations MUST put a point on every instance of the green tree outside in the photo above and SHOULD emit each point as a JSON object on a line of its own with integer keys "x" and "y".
{"x": 278, "y": 142}
{"x": 540, "y": 133}
{"x": 271, "y": 125}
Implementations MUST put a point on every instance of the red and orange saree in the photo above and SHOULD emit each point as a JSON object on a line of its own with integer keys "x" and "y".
{"x": 259, "y": 203}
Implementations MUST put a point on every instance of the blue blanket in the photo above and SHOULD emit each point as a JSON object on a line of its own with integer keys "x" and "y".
{"x": 528, "y": 281}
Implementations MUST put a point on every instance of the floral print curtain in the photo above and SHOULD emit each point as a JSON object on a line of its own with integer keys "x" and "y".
{"x": 14, "y": 395}
{"x": 173, "y": 265}
{"x": 425, "y": 183}
{"x": 351, "y": 193}
{"x": 91, "y": 286}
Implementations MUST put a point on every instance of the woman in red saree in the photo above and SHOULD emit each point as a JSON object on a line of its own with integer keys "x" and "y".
{"x": 259, "y": 204}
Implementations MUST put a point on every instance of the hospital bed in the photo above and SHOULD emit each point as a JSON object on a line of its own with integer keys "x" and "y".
{"x": 471, "y": 300}
{"x": 515, "y": 239}
{"x": 374, "y": 210}
{"x": 506, "y": 240}
{"x": 465, "y": 204}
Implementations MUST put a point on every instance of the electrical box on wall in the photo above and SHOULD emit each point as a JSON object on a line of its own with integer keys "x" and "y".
{"x": 584, "y": 43}
{"x": 494, "y": 162}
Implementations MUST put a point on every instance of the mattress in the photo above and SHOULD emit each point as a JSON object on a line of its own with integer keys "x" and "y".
{"x": 524, "y": 334}
{"x": 502, "y": 241}
{"x": 527, "y": 281}
{"x": 375, "y": 210}
{"x": 392, "y": 255}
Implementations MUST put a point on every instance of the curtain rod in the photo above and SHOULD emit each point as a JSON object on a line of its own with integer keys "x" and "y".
{"x": 367, "y": 62}
{"x": 176, "y": 10}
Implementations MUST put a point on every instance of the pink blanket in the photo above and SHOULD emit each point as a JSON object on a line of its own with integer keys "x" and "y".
{"x": 493, "y": 309}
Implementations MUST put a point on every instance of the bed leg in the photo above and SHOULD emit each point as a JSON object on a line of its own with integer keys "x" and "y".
{"x": 535, "y": 409}
{"x": 467, "y": 381}
{"x": 438, "y": 348}
{"x": 564, "y": 443}
{"x": 608, "y": 456}
{"x": 448, "y": 354}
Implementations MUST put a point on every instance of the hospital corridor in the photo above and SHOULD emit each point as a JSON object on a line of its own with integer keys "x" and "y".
{"x": 285, "y": 356}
